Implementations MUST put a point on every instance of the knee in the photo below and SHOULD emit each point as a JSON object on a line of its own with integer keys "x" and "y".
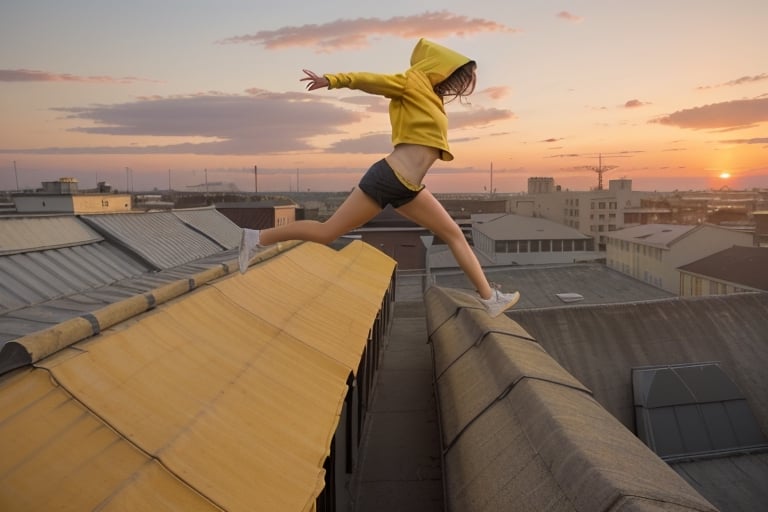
{"x": 325, "y": 233}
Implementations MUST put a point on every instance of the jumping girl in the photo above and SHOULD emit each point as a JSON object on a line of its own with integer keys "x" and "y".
{"x": 419, "y": 137}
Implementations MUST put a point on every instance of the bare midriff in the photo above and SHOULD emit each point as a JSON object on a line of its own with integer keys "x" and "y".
{"x": 412, "y": 161}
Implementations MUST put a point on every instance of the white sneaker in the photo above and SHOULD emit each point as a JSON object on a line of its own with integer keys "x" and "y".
{"x": 499, "y": 302}
{"x": 249, "y": 244}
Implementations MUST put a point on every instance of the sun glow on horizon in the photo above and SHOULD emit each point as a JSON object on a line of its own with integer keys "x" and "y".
{"x": 725, "y": 175}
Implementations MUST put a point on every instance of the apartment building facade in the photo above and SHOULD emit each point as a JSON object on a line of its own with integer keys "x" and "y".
{"x": 653, "y": 253}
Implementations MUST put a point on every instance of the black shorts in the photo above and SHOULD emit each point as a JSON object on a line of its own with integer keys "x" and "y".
{"x": 385, "y": 186}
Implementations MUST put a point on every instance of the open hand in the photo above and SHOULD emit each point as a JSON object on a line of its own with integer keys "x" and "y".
{"x": 314, "y": 81}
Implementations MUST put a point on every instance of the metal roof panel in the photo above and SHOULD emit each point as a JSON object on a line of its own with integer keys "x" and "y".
{"x": 159, "y": 238}
{"x": 24, "y": 234}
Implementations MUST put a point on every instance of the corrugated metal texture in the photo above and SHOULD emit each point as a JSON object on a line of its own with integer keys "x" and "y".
{"x": 231, "y": 389}
{"x": 213, "y": 224}
{"x": 600, "y": 345}
{"x": 35, "y": 277}
{"x": 720, "y": 479}
{"x": 520, "y": 433}
{"x": 159, "y": 238}
{"x": 24, "y": 234}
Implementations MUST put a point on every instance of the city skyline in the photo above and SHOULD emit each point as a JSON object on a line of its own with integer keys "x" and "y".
{"x": 672, "y": 96}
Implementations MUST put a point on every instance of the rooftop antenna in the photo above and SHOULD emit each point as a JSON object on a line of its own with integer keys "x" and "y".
{"x": 599, "y": 169}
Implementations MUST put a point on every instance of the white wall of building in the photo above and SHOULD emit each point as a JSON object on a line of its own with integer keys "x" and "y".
{"x": 658, "y": 265}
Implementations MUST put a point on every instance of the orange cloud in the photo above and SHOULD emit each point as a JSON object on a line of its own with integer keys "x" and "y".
{"x": 478, "y": 117}
{"x": 357, "y": 33}
{"x": 30, "y": 75}
{"x": 727, "y": 115}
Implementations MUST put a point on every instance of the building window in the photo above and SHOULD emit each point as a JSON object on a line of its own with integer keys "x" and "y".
{"x": 546, "y": 246}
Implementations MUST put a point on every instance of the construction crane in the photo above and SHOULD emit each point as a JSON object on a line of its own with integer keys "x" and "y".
{"x": 599, "y": 169}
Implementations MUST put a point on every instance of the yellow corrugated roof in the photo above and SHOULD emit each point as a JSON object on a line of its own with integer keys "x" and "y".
{"x": 226, "y": 398}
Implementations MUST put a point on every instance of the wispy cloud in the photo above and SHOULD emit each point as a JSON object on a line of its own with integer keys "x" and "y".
{"x": 478, "y": 117}
{"x": 727, "y": 115}
{"x": 739, "y": 81}
{"x": 755, "y": 140}
{"x": 568, "y": 16}
{"x": 30, "y": 75}
{"x": 497, "y": 92}
{"x": 357, "y": 33}
{"x": 635, "y": 104}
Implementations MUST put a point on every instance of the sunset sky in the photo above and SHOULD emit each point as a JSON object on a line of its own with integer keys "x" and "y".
{"x": 673, "y": 94}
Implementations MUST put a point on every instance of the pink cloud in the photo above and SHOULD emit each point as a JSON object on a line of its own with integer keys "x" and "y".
{"x": 723, "y": 116}
{"x": 567, "y": 16}
{"x": 739, "y": 81}
{"x": 30, "y": 75}
{"x": 357, "y": 33}
{"x": 496, "y": 93}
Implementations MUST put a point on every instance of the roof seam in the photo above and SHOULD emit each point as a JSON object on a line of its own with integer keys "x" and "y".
{"x": 125, "y": 438}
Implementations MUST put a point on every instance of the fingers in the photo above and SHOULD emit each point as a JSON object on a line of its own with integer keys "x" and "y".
{"x": 314, "y": 81}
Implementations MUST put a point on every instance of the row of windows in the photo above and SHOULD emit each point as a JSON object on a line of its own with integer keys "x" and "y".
{"x": 518, "y": 246}
{"x": 625, "y": 246}
{"x": 612, "y": 205}
{"x": 601, "y": 228}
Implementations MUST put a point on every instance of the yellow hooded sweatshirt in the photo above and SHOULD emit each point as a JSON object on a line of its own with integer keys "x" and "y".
{"x": 415, "y": 111}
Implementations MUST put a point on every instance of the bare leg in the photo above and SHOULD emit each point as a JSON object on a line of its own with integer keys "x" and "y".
{"x": 426, "y": 211}
{"x": 356, "y": 210}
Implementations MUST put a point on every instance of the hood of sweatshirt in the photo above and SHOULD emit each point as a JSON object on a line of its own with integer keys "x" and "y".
{"x": 436, "y": 61}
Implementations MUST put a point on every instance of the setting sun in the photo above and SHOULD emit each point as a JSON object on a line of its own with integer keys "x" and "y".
{"x": 725, "y": 175}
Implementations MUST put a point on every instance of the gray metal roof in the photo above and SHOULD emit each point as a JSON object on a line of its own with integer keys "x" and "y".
{"x": 520, "y": 227}
{"x": 747, "y": 266}
{"x": 77, "y": 271}
{"x": 659, "y": 235}
{"x": 540, "y": 284}
{"x": 599, "y": 344}
{"x": 34, "y": 277}
{"x": 22, "y": 234}
{"x": 159, "y": 238}
{"x": 213, "y": 224}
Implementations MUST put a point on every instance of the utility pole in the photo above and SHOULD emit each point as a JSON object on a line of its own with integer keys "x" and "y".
{"x": 255, "y": 179}
{"x": 16, "y": 173}
{"x": 491, "y": 179}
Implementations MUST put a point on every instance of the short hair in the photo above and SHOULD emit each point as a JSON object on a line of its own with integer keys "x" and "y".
{"x": 457, "y": 83}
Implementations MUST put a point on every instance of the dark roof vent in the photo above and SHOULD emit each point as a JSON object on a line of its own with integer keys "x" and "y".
{"x": 693, "y": 411}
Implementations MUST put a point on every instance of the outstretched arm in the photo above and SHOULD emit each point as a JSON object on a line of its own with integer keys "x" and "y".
{"x": 314, "y": 81}
{"x": 390, "y": 86}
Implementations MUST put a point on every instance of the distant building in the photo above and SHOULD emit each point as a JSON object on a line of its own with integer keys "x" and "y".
{"x": 464, "y": 208}
{"x": 521, "y": 240}
{"x": 593, "y": 213}
{"x": 761, "y": 228}
{"x": 62, "y": 196}
{"x": 541, "y": 185}
{"x": 653, "y": 252}
{"x": 259, "y": 214}
{"x": 733, "y": 270}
